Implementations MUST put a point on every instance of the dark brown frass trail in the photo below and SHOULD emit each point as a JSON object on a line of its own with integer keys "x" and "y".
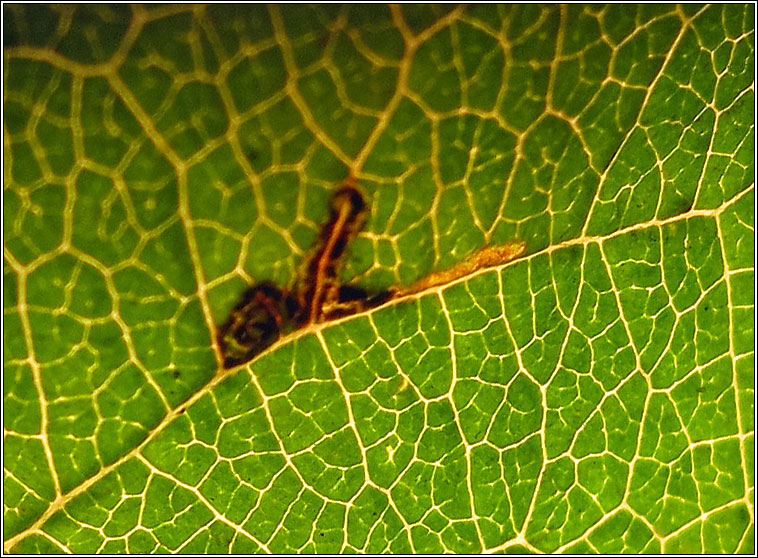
{"x": 319, "y": 285}
{"x": 266, "y": 312}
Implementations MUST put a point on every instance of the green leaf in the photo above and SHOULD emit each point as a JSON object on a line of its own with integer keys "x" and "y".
{"x": 595, "y": 395}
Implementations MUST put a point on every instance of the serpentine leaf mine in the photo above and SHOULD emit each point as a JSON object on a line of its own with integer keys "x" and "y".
{"x": 266, "y": 312}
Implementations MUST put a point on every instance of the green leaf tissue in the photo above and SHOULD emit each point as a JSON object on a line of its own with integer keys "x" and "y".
{"x": 378, "y": 279}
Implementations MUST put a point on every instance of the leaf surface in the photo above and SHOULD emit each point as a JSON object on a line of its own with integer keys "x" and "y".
{"x": 595, "y": 395}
